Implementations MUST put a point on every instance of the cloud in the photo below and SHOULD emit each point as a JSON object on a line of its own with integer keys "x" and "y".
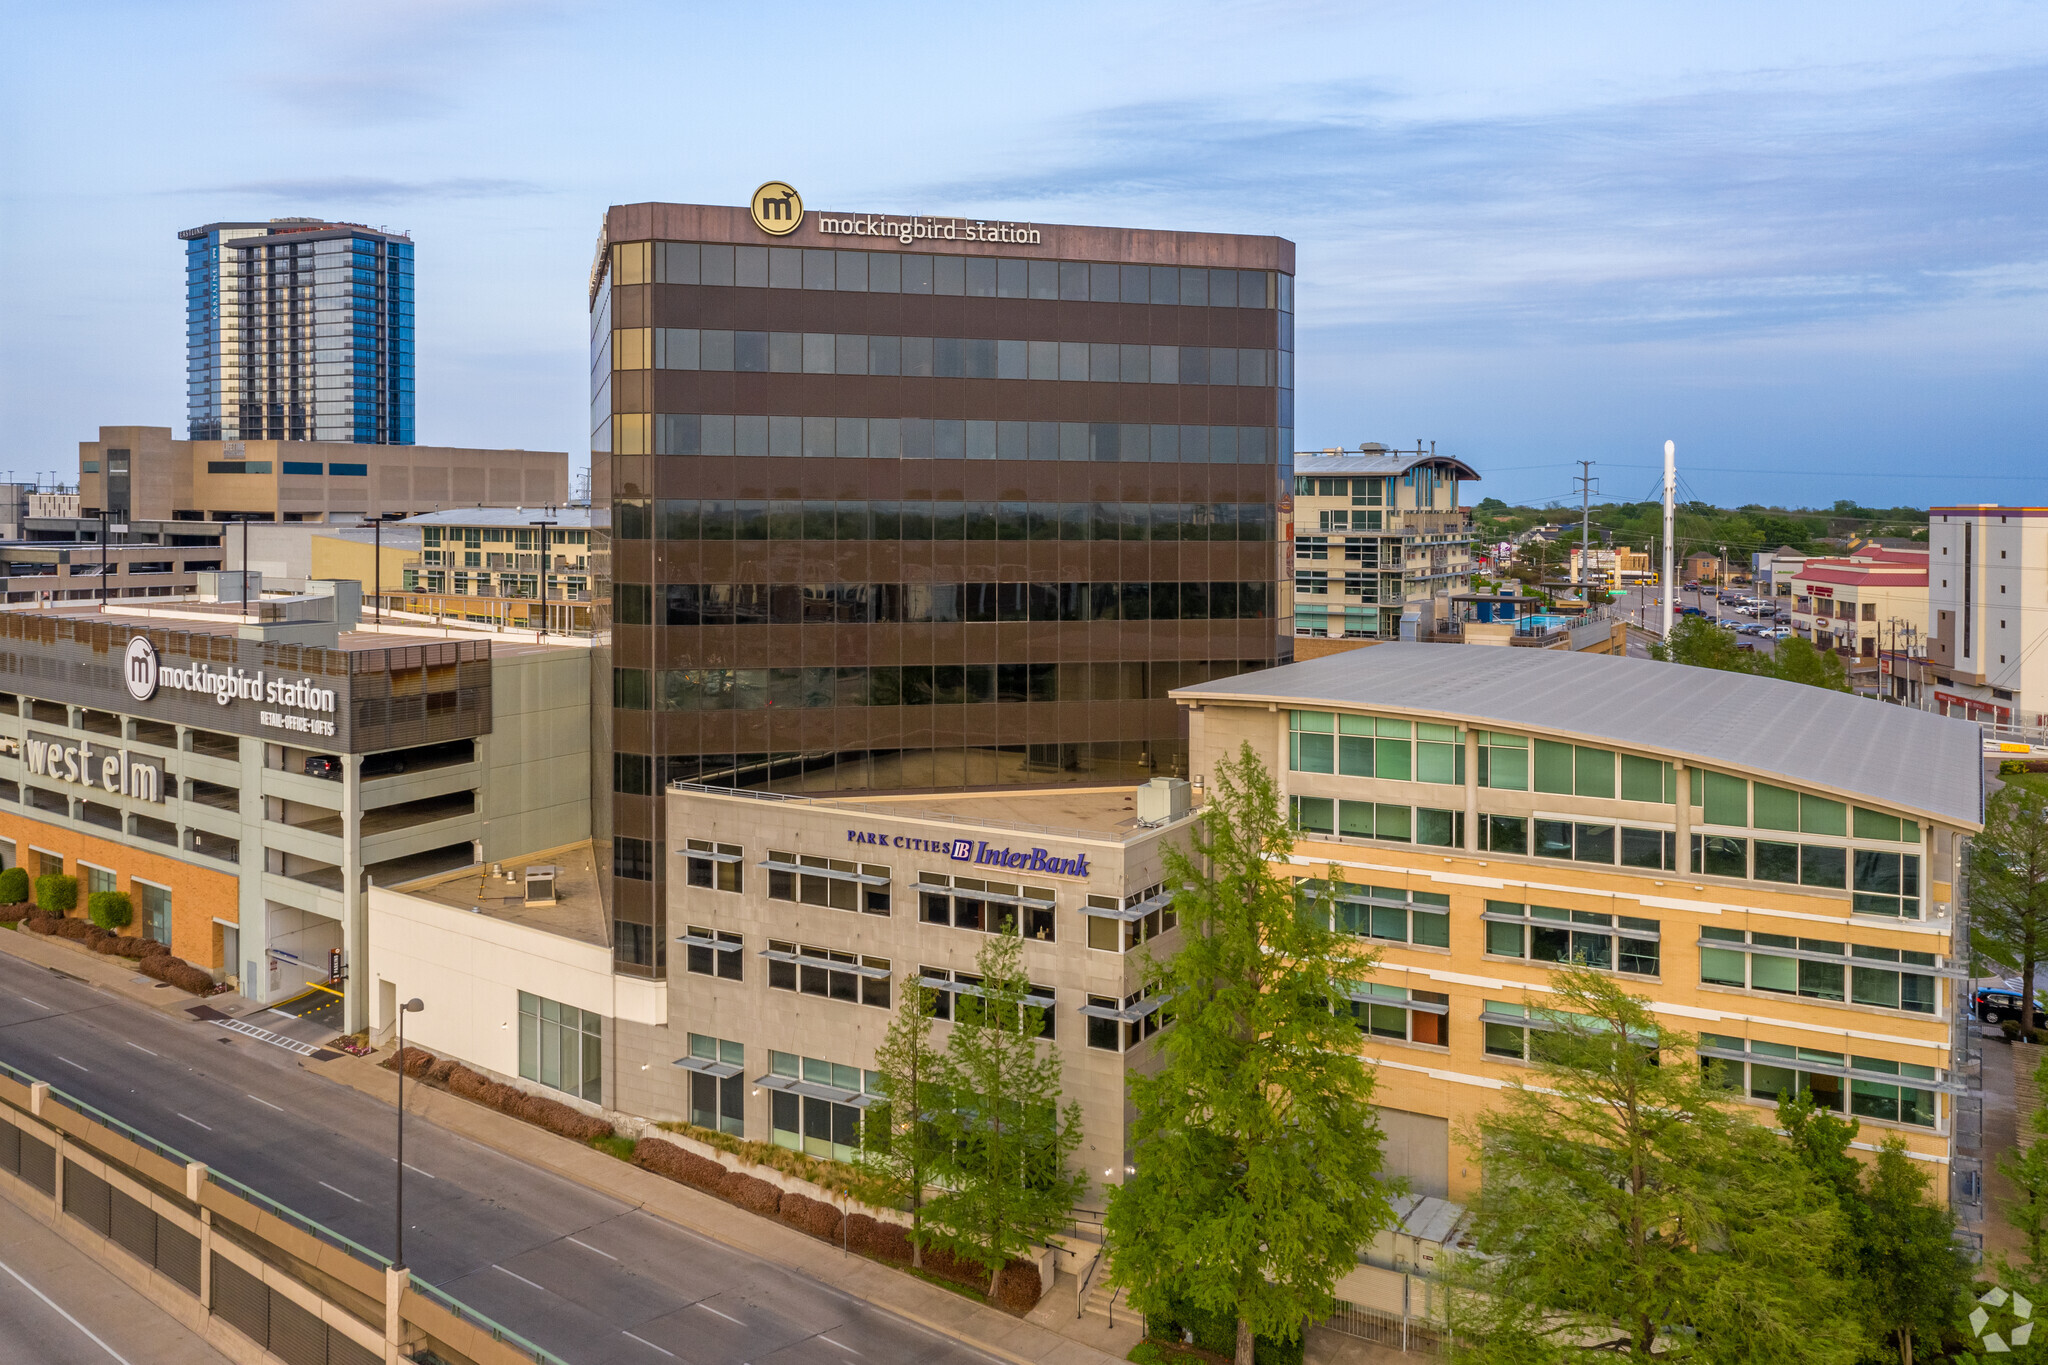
{"x": 373, "y": 190}
{"x": 1748, "y": 209}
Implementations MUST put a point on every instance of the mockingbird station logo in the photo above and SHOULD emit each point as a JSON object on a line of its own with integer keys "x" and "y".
{"x": 777, "y": 209}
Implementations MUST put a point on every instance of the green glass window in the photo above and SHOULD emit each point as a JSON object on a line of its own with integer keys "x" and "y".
{"x": 1440, "y": 828}
{"x": 1820, "y": 865}
{"x": 1313, "y": 814}
{"x": 561, "y": 1046}
{"x": 1647, "y": 779}
{"x": 1503, "y": 761}
{"x": 1439, "y": 759}
{"x": 1776, "y": 808}
{"x": 1504, "y": 834}
{"x": 1722, "y": 967}
{"x": 1311, "y": 741}
{"x": 1354, "y": 746}
{"x": 1776, "y": 862}
{"x": 1872, "y": 824}
{"x": 1727, "y": 800}
{"x": 1553, "y": 767}
{"x": 1817, "y": 815}
{"x": 1392, "y": 758}
{"x": 1592, "y": 772}
{"x": 1391, "y": 822}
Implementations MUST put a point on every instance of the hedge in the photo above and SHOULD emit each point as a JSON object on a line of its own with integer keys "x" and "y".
{"x": 110, "y": 909}
{"x": 538, "y": 1110}
{"x": 56, "y": 893}
{"x": 14, "y": 886}
{"x": 176, "y": 971}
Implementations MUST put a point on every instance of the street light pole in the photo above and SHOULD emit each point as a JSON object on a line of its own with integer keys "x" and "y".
{"x": 412, "y": 1006}
{"x": 544, "y": 525}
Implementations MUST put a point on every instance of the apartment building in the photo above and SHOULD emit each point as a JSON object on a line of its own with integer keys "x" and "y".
{"x": 1863, "y": 604}
{"x": 524, "y": 567}
{"x": 1987, "y": 614}
{"x": 1373, "y": 531}
{"x": 1774, "y": 868}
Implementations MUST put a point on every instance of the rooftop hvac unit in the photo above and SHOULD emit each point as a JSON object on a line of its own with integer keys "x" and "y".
{"x": 1162, "y": 800}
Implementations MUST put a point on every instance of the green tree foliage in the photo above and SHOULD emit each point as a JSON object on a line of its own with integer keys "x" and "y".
{"x": 902, "y": 1151}
{"x": 1907, "y": 1278}
{"x": 13, "y": 886}
{"x": 1007, "y": 1182}
{"x": 2028, "y": 1171}
{"x": 2009, "y": 886}
{"x": 1796, "y": 660}
{"x": 110, "y": 909}
{"x": 1256, "y": 1146}
{"x": 1626, "y": 1212}
{"x": 56, "y": 893}
{"x": 1697, "y": 641}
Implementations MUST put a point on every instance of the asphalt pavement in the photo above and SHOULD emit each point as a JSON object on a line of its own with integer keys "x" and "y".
{"x": 58, "y": 1306}
{"x": 1644, "y": 606}
{"x": 588, "y": 1277}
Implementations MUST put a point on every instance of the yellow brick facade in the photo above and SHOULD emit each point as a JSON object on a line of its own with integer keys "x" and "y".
{"x": 1457, "y": 1081}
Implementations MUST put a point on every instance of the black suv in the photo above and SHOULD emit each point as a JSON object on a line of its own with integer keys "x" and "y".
{"x": 1993, "y": 1003}
{"x": 323, "y": 765}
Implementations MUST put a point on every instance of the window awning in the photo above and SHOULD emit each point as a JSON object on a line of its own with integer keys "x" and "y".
{"x": 1130, "y": 1015}
{"x": 813, "y": 1090}
{"x": 1831, "y": 1069}
{"x": 715, "y": 944}
{"x": 831, "y": 873}
{"x": 994, "y": 897}
{"x": 1419, "y": 1006}
{"x": 828, "y": 964}
{"x": 939, "y": 983}
{"x": 710, "y": 855}
{"x": 1129, "y": 913}
{"x": 716, "y": 1070}
{"x": 1807, "y": 955}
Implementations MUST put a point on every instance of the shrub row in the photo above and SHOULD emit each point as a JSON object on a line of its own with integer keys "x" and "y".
{"x": 1016, "y": 1290}
{"x": 510, "y": 1100}
{"x": 176, "y": 971}
{"x": 152, "y": 958}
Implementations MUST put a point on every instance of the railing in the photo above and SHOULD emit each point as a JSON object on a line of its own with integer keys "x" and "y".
{"x": 1087, "y": 1279}
{"x": 497, "y": 1330}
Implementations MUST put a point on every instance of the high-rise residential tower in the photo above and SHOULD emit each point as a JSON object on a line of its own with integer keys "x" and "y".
{"x": 901, "y": 503}
{"x": 298, "y": 329}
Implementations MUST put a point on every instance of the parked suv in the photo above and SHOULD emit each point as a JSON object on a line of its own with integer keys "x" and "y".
{"x": 1993, "y": 1003}
{"x": 323, "y": 765}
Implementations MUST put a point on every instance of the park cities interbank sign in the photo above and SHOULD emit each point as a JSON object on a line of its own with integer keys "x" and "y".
{"x": 143, "y": 675}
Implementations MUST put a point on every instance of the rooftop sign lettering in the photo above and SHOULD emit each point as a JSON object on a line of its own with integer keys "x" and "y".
{"x": 908, "y": 230}
{"x": 980, "y": 852}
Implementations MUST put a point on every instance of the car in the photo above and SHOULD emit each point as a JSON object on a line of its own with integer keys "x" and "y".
{"x": 1778, "y": 633}
{"x": 1994, "y": 1003}
{"x": 1692, "y": 587}
{"x": 1690, "y": 611}
{"x": 323, "y": 765}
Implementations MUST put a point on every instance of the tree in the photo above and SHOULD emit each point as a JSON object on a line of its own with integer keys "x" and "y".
{"x": 1628, "y": 1212}
{"x": 2027, "y": 1168}
{"x": 899, "y": 1161}
{"x": 2009, "y": 887}
{"x": 110, "y": 909}
{"x": 56, "y": 893}
{"x": 1796, "y": 660}
{"x": 1256, "y": 1146}
{"x": 1007, "y": 1182}
{"x": 1697, "y": 641}
{"x": 1898, "y": 1256}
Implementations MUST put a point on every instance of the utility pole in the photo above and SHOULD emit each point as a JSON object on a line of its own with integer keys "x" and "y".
{"x": 1585, "y": 482}
{"x": 1670, "y": 519}
{"x": 377, "y": 568}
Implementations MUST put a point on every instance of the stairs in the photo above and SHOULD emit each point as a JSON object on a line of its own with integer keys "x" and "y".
{"x": 1103, "y": 1300}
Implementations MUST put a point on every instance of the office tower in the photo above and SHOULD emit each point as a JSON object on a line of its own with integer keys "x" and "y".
{"x": 298, "y": 329}
{"x": 953, "y": 507}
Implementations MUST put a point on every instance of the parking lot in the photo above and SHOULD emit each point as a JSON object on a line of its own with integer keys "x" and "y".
{"x": 1644, "y": 605}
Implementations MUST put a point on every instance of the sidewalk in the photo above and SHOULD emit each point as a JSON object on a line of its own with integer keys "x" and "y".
{"x": 1042, "y": 1339}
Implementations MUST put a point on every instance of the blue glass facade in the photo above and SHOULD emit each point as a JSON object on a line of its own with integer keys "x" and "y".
{"x": 298, "y": 330}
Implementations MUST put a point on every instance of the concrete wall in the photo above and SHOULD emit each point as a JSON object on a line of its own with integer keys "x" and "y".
{"x": 536, "y": 790}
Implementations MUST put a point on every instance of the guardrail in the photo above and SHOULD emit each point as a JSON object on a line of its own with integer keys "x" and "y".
{"x": 216, "y": 1254}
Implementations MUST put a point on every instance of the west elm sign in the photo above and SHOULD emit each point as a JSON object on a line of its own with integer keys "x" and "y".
{"x": 980, "y": 852}
{"x": 111, "y": 770}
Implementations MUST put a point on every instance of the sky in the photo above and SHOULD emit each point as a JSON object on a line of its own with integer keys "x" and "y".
{"x": 1806, "y": 243}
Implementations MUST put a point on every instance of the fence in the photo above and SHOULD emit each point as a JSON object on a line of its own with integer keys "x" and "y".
{"x": 217, "y": 1255}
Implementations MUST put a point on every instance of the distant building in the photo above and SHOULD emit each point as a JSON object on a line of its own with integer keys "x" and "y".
{"x": 166, "y": 491}
{"x": 1987, "y": 614}
{"x": 298, "y": 329}
{"x": 1614, "y": 568}
{"x": 1372, "y": 531}
{"x": 478, "y": 565}
{"x": 1702, "y": 568}
{"x": 1861, "y": 605}
{"x": 1772, "y": 570}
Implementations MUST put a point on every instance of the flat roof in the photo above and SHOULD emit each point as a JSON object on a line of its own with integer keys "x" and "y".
{"x": 564, "y": 518}
{"x": 577, "y": 913}
{"x": 179, "y": 613}
{"x": 1890, "y": 755}
{"x": 1105, "y": 813}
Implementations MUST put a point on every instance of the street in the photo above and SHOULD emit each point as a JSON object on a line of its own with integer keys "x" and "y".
{"x": 1643, "y": 605}
{"x": 588, "y": 1277}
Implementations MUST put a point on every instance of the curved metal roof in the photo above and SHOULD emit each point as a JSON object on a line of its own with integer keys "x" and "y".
{"x": 1856, "y": 746}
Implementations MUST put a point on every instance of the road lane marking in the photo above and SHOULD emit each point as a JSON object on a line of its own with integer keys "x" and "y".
{"x": 642, "y": 1340}
{"x": 264, "y": 1035}
{"x": 265, "y": 1103}
{"x": 61, "y": 1313}
{"x": 37, "y": 1003}
{"x": 68, "y": 1062}
{"x": 522, "y": 1279}
{"x": 607, "y": 1255}
{"x": 343, "y": 1193}
{"x": 416, "y": 1170}
{"x": 189, "y": 1119}
{"x": 841, "y": 1345}
{"x": 139, "y": 1047}
{"x": 727, "y": 1316}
